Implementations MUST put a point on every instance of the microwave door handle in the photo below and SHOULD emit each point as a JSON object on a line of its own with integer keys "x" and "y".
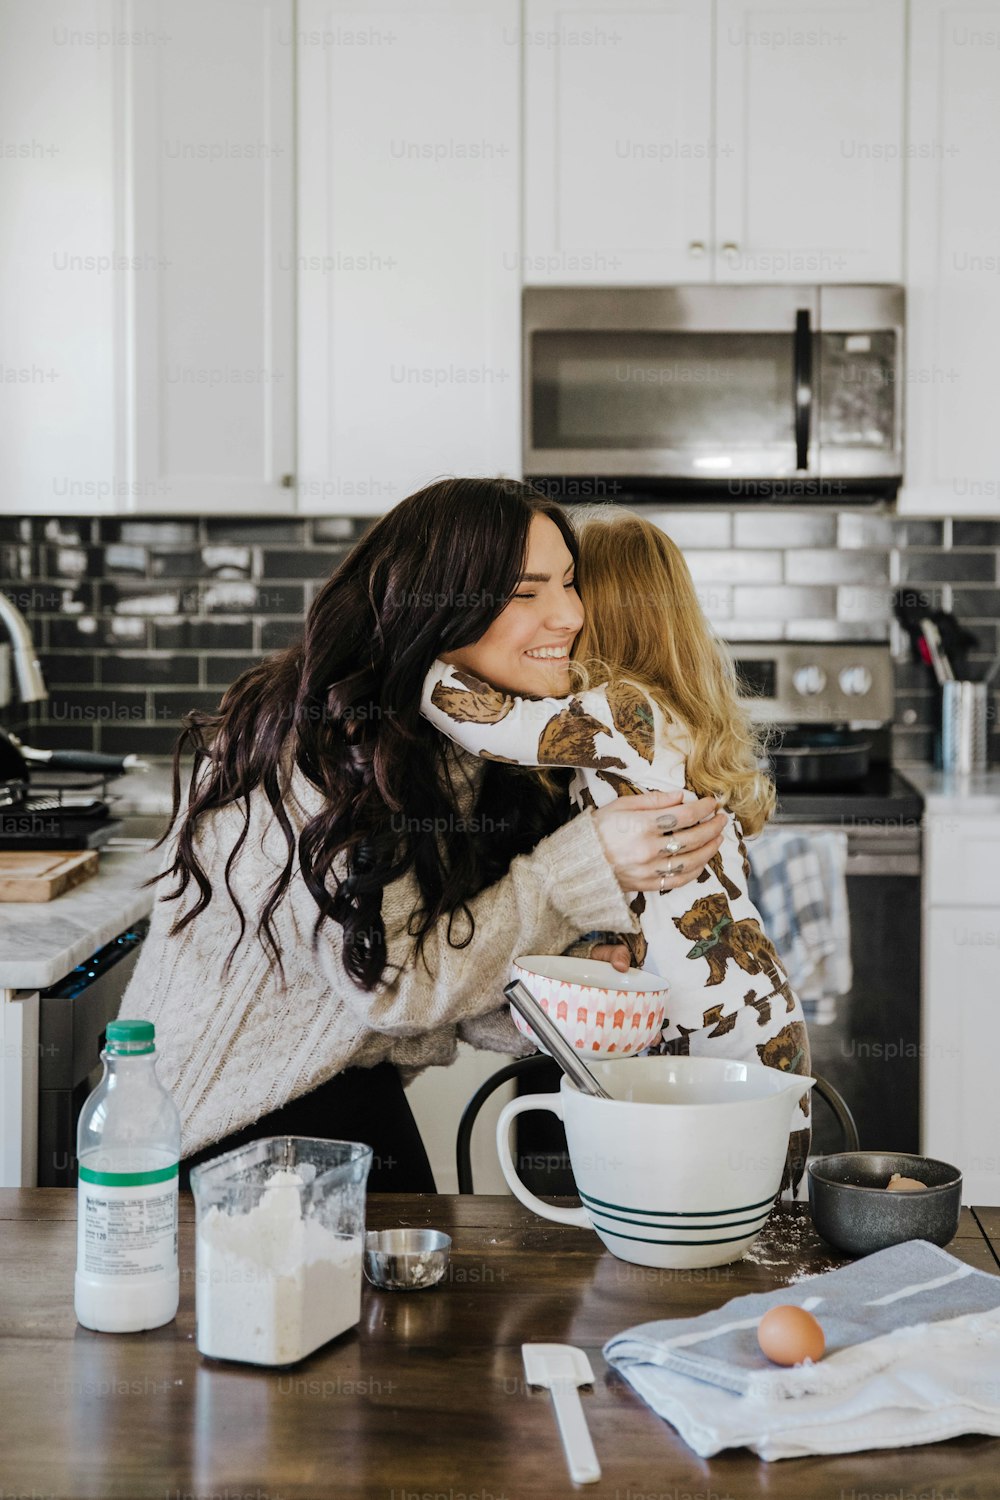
{"x": 803, "y": 386}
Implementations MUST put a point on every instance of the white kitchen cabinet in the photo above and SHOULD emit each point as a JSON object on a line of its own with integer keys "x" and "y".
{"x": 953, "y": 259}
{"x": 619, "y": 141}
{"x": 408, "y": 247}
{"x": 965, "y": 868}
{"x": 681, "y": 140}
{"x": 60, "y": 416}
{"x": 208, "y": 203}
{"x": 147, "y": 284}
{"x": 19, "y": 1010}
{"x": 960, "y": 1033}
{"x": 961, "y": 1039}
{"x": 809, "y": 123}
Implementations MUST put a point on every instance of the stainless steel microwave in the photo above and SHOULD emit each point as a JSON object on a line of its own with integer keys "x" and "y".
{"x": 745, "y": 391}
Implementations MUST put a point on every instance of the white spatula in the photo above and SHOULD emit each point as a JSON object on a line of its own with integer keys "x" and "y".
{"x": 562, "y": 1368}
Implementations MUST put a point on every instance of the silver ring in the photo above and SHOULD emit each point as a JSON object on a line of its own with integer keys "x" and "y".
{"x": 672, "y": 846}
{"x": 663, "y": 875}
{"x": 677, "y": 869}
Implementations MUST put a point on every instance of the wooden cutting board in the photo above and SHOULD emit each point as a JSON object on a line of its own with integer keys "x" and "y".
{"x": 43, "y": 874}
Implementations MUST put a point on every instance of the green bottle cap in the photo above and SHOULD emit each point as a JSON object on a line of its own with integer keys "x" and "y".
{"x": 132, "y": 1037}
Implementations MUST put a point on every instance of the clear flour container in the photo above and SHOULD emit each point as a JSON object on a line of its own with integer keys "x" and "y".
{"x": 279, "y": 1245}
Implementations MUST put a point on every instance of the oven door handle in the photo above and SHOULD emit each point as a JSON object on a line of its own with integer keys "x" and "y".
{"x": 883, "y": 864}
{"x": 870, "y": 851}
{"x": 803, "y": 386}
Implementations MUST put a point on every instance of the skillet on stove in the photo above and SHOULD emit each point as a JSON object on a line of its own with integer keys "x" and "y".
{"x": 817, "y": 757}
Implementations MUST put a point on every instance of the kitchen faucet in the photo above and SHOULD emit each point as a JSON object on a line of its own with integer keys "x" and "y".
{"x": 17, "y": 759}
{"x": 30, "y": 682}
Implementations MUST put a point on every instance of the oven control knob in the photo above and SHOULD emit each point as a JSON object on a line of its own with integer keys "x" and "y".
{"x": 809, "y": 681}
{"x": 855, "y": 681}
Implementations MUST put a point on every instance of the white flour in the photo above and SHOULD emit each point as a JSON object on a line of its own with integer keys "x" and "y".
{"x": 271, "y": 1285}
{"x": 785, "y": 1243}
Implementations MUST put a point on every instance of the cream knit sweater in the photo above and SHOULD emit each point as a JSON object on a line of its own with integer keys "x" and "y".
{"x": 234, "y": 1049}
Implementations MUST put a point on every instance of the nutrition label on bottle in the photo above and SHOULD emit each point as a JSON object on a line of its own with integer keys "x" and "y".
{"x": 128, "y": 1228}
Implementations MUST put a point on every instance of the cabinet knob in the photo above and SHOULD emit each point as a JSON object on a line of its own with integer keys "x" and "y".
{"x": 730, "y": 248}
{"x": 696, "y": 247}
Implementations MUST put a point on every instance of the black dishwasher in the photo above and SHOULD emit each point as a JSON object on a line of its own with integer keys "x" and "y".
{"x": 72, "y": 1018}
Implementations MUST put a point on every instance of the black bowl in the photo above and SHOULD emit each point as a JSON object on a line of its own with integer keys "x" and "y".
{"x": 851, "y": 1208}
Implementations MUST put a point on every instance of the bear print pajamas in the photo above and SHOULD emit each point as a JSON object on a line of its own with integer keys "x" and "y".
{"x": 729, "y": 995}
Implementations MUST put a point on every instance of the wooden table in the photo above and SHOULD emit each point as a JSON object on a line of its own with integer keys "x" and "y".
{"x": 425, "y": 1400}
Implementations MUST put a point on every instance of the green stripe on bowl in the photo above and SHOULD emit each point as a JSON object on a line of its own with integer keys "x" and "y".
{"x": 688, "y": 1228}
{"x": 665, "y": 1213}
{"x": 644, "y": 1239}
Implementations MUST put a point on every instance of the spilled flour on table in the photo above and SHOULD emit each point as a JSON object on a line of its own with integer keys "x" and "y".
{"x": 785, "y": 1243}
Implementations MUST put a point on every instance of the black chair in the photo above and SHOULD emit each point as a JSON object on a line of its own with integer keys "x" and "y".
{"x": 525, "y": 1067}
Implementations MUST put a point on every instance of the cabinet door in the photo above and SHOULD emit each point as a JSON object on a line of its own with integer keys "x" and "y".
{"x": 60, "y": 276}
{"x": 19, "y": 1086}
{"x": 953, "y": 259}
{"x": 409, "y": 300}
{"x": 619, "y": 146}
{"x": 210, "y": 148}
{"x": 962, "y": 857}
{"x": 809, "y": 180}
{"x": 960, "y": 1102}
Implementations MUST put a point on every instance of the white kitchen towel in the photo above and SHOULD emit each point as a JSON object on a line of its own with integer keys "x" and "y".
{"x": 924, "y": 1363}
{"x": 798, "y": 882}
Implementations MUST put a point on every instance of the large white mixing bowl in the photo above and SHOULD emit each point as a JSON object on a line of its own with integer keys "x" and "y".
{"x": 681, "y": 1166}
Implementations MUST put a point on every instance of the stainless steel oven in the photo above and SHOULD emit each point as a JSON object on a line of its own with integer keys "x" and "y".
{"x": 754, "y": 392}
{"x": 870, "y": 1051}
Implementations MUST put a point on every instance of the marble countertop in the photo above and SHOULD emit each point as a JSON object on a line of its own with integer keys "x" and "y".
{"x": 143, "y": 793}
{"x": 40, "y": 943}
{"x": 962, "y": 796}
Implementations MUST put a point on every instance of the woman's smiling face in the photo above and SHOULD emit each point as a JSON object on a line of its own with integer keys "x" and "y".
{"x": 526, "y": 649}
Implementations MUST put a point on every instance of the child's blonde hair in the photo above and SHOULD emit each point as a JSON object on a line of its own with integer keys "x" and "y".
{"x": 644, "y": 621}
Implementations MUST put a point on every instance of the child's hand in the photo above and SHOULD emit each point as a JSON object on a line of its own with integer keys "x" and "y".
{"x": 612, "y": 953}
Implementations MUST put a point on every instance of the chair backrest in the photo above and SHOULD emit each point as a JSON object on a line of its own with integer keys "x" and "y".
{"x": 526, "y": 1066}
{"x": 519, "y": 1068}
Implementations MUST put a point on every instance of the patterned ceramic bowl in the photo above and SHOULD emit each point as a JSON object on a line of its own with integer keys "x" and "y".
{"x": 599, "y": 1010}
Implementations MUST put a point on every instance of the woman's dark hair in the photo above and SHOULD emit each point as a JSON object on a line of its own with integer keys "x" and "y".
{"x": 343, "y": 703}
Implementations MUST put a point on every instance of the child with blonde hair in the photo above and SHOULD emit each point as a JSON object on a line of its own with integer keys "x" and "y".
{"x": 657, "y": 709}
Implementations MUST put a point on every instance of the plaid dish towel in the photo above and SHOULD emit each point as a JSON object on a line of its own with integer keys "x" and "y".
{"x": 913, "y": 1353}
{"x": 798, "y": 884}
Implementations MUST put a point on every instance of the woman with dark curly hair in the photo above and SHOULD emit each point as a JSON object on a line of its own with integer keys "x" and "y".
{"x": 344, "y": 889}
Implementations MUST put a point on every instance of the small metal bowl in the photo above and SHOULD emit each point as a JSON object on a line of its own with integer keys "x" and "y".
{"x": 853, "y": 1211}
{"x": 406, "y": 1260}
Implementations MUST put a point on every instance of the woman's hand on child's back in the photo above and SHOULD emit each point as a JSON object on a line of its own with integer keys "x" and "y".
{"x": 657, "y": 841}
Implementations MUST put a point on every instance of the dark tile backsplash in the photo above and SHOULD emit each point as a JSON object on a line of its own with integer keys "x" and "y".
{"x": 139, "y": 620}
